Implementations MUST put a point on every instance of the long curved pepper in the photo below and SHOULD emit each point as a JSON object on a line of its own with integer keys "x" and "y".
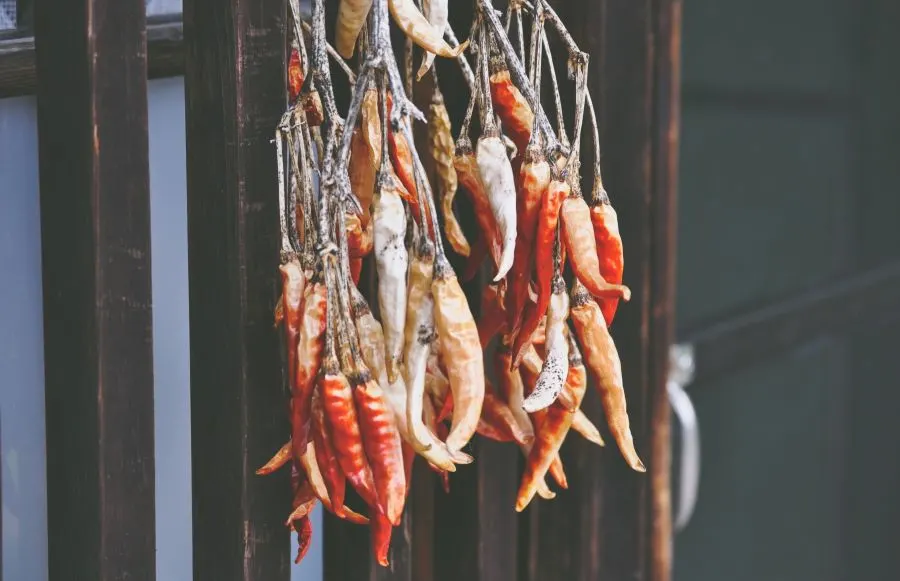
{"x": 365, "y": 153}
{"x": 293, "y": 284}
{"x": 553, "y": 372}
{"x": 346, "y": 436}
{"x": 470, "y": 179}
{"x": 440, "y": 143}
{"x": 544, "y": 265}
{"x": 602, "y": 359}
{"x": 277, "y": 461}
{"x": 326, "y": 457}
{"x": 391, "y": 262}
{"x": 510, "y": 105}
{"x": 534, "y": 179}
{"x": 461, "y": 353}
{"x": 500, "y": 422}
{"x": 552, "y": 432}
{"x": 500, "y": 184}
{"x": 351, "y": 18}
{"x": 303, "y": 528}
{"x": 402, "y": 161}
{"x": 309, "y": 358}
{"x": 317, "y": 482}
{"x": 380, "y": 532}
{"x": 414, "y": 24}
{"x": 584, "y": 426}
{"x": 609, "y": 251}
{"x": 437, "y": 14}
{"x": 382, "y": 444}
{"x": 577, "y": 233}
{"x": 420, "y": 337}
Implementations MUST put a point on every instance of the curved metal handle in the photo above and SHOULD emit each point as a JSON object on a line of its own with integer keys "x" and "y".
{"x": 681, "y": 361}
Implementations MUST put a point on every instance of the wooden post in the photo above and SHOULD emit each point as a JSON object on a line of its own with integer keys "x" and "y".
{"x": 234, "y": 82}
{"x": 95, "y": 222}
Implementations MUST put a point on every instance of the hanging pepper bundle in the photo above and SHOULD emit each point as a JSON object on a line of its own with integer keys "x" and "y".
{"x": 371, "y": 391}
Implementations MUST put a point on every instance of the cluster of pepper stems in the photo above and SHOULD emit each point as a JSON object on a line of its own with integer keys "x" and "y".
{"x": 370, "y": 394}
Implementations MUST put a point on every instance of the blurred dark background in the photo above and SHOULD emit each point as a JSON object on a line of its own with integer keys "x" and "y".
{"x": 788, "y": 248}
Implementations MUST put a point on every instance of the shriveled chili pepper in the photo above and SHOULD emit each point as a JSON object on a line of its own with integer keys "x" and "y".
{"x": 293, "y": 284}
{"x": 320, "y": 489}
{"x": 492, "y": 319}
{"x": 351, "y": 18}
{"x": 578, "y": 235}
{"x": 281, "y": 457}
{"x": 303, "y": 527}
{"x": 534, "y": 179}
{"x": 326, "y": 457}
{"x": 402, "y": 162}
{"x": 414, "y": 24}
{"x": 530, "y": 370}
{"x": 609, "y": 248}
{"x": 381, "y": 529}
{"x": 437, "y": 14}
{"x": 382, "y": 445}
{"x": 553, "y": 372}
{"x": 552, "y": 431}
{"x": 420, "y": 337}
{"x": 309, "y": 358}
{"x": 440, "y": 143}
{"x": 510, "y": 105}
{"x": 295, "y": 74}
{"x": 500, "y": 185}
{"x": 391, "y": 262}
{"x": 460, "y": 352}
{"x": 585, "y": 427}
{"x": 365, "y": 153}
{"x": 470, "y": 179}
{"x": 346, "y": 434}
{"x": 544, "y": 264}
{"x": 498, "y": 421}
{"x": 602, "y": 359}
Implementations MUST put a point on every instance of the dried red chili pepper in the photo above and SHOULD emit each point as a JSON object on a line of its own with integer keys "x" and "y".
{"x": 309, "y": 358}
{"x": 470, "y": 179}
{"x": 609, "y": 250}
{"x": 498, "y": 421}
{"x": 293, "y": 284}
{"x": 545, "y": 265}
{"x": 578, "y": 235}
{"x": 346, "y": 435}
{"x": 382, "y": 445}
{"x": 326, "y": 457}
{"x": 380, "y": 527}
{"x": 365, "y": 154}
{"x": 552, "y": 431}
{"x": 281, "y": 457}
{"x": 510, "y": 105}
{"x": 534, "y": 179}
{"x": 602, "y": 359}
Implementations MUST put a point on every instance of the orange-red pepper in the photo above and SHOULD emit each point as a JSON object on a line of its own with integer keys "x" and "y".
{"x": 295, "y": 74}
{"x": 511, "y": 106}
{"x": 309, "y": 359}
{"x": 609, "y": 250}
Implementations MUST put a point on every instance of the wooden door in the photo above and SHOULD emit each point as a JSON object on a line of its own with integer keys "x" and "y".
{"x": 789, "y": 287}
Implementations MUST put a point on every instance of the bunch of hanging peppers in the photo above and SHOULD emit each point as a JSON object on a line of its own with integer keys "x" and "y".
{"x": 371, "y": 393}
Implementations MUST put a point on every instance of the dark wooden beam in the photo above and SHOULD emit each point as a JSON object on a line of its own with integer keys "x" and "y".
{"x": 863, "y": 300}
{"x": 95, "y": 226}
{"x": 235, "y": 91}
{"x": 165, "y": 57}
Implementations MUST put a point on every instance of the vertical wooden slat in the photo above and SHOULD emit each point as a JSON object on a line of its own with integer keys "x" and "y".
{"x": 618, "y": 521}
{"x": 234, "y": 84}
{"x": 95, "y": 223}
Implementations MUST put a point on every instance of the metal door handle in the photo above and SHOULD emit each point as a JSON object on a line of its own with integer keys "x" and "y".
{"x": 681, "y": 373}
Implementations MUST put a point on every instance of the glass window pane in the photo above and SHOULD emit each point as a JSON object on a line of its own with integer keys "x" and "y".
{"x": 7, "y": 14}
{"x": 157, "y": 7}
{"x": 21, "y": 346}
